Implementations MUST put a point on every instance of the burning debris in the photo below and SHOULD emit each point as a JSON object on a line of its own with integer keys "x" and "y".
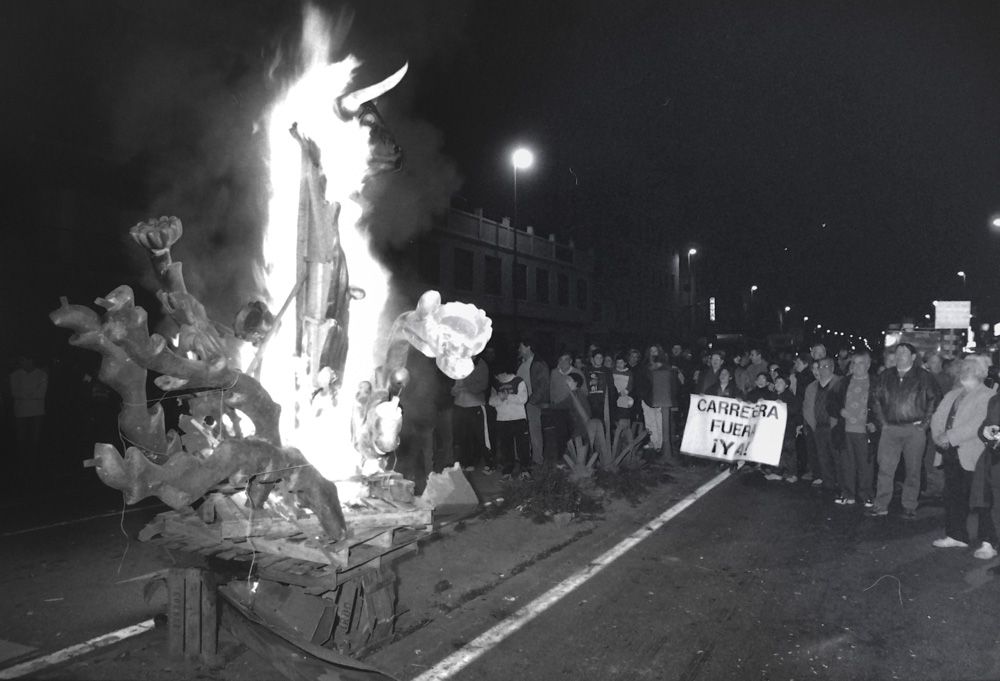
{"x": 274, "y": 417}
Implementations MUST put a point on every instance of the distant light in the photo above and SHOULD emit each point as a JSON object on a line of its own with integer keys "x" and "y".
{"x": 927, "y": 317}
{"x": 819, "y": 326}
{"x": 805, "y": 319}
{"x": 522, "y": 158}
{"x": 788, "y": 308}
{"x": 692, "y": 251}
{"x": 961, "y": 273}
{"x": 996, "y": 222}
{"x": 753, "y": 288}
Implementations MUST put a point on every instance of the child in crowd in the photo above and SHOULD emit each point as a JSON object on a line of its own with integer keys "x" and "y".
{"x": 508, "y": 397}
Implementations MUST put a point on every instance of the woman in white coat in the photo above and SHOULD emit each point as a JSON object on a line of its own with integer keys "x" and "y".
{"x": 955, "y": 429}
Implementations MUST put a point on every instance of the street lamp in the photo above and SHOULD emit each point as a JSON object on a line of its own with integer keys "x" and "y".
{"x": 521, "y": 159}
{"x": 961, "y": 273}
{"x": 781, "y": 317}
{"x": 753, "y": 288}
{"x": 694, "y": 310}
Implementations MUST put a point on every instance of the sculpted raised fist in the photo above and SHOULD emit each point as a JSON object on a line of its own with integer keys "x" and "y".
{"x": 158, "y": 234}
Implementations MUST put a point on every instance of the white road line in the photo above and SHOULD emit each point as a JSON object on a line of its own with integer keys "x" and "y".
{"x": 471, "y": 651}
{"x": 74, "y": 521}
{"x": 66, "y": 654}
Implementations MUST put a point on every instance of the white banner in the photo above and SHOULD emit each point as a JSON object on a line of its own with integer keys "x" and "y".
{"x": 733, "y": 430}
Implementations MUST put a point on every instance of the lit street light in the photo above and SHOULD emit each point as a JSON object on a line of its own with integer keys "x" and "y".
{"x": 521, "y": 159}
{"x": 961, "y": 273}
{"x": 694, "y": 301}
{"x": 753, "y": 288}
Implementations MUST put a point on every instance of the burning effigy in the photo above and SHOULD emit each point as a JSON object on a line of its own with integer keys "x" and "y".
{"x": 281, "y": 461}
{"x": 297, "y": 401}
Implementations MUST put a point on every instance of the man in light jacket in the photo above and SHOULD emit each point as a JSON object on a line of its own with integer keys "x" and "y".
{"x": 955, "y": 430}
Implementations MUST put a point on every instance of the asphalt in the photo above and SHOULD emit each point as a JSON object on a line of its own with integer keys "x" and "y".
{"x": 756, "y": 580}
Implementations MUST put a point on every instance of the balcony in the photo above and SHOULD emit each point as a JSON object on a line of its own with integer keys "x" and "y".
{"x": 499, "y": 235}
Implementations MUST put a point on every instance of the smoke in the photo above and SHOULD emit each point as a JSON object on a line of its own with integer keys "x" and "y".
{"x": 189, "y": 118}
{"x": 406, "y": 203}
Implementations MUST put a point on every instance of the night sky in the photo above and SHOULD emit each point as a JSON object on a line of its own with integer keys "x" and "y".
{"x": 845, "y": 157}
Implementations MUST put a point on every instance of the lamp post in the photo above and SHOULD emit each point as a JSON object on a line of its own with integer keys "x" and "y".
{"x": 961, "y": 273}
{"x": 520, "y": 159}
{"x": 694, "y": 309}
{"x": 781, "y": 316}
{"x": 753, "y": 289}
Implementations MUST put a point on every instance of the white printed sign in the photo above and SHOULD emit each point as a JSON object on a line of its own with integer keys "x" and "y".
{"x": 952, "y": 314}
{"x": 733, "y": 430}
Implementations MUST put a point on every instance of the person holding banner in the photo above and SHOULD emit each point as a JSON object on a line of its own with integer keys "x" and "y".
{"x": 708, "y": 377}
{"x": 725, "y": 386}
{"x": 761, "y": 389}
{"x": 788, "y": 466}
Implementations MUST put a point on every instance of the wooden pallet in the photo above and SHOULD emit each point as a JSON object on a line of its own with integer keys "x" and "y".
{"x": 339, "y": 595}
{"x": 291, "y": 551}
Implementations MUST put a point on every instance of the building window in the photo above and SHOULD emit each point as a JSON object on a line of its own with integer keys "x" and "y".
{"x": 581, "y": 294}
{"x": 429, "y": 264}
{"x": 542, "y": 285}
{"x": 562, "y": 289}
{"x": 464, "y": 269}
{"x": 491, "y": 276}
{"x": 521, "y": 281}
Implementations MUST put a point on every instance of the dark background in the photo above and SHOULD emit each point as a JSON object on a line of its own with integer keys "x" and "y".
{"x": 842, "y": 156}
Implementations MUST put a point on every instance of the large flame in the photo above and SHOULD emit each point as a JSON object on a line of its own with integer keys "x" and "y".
{"x": 320, "y": 431}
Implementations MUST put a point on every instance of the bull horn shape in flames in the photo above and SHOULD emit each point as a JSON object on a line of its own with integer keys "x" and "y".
{"x": 351, "y": 102}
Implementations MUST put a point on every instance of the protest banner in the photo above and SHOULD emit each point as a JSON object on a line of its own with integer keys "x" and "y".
{"x": 727, "y": 429}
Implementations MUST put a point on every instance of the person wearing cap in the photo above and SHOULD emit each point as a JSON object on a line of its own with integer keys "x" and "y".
{"x": 905, "y": 399}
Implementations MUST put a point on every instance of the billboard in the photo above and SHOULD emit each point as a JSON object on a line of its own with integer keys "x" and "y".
{"x": 952, "y": 314}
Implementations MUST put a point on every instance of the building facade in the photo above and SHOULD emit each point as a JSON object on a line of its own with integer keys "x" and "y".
{"x": 531, "y": 285}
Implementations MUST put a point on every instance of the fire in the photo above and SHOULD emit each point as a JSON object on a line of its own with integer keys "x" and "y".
{"x": 318, "y": 428}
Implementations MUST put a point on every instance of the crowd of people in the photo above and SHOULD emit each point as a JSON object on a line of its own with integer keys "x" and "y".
{"x": 513, "y": 414}
{"x": 851, "y": 419}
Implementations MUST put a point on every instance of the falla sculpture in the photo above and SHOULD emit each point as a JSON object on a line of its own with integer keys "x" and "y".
{"x": 231, "y": 434}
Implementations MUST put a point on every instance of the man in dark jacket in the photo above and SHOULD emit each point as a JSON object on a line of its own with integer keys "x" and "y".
{"x": 828, "y": 432}
{"x": 535, "y": 374}
{"x": 905, "y": 399}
